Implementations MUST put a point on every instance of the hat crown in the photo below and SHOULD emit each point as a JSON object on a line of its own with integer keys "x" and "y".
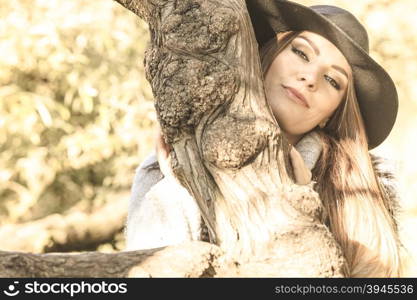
{"x": 346, "y": 22}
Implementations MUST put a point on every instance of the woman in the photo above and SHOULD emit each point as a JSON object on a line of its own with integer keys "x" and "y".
{"x": 334, "y": 103}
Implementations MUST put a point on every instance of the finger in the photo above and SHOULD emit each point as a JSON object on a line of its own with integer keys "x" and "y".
{"x": 164, "y": 158}
{"x": 301, "y": 172}
{"x": 165, "y": 166}
{"x": 163, "y": 153}
{"x": 162, "y": 149}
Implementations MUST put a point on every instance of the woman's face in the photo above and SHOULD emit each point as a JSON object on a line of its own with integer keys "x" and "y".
{"x": 305, "y": 83}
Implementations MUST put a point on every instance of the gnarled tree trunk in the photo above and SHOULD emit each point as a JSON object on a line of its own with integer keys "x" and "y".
{"x": 228, "y": 151}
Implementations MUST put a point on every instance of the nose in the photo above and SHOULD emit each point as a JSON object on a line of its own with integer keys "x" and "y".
{"x": 309, "y": 79}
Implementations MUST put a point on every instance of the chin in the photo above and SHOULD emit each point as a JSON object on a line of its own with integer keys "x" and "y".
{"x": 293, "y": 130}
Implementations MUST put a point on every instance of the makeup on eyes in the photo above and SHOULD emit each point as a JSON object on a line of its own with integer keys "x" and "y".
{"x": 301, "y": 45}
{"x": 304, "y": 48}
{"x": 307, "y": 42}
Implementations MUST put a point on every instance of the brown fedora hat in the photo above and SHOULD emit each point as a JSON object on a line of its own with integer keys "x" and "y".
{"x": 375, "y": 90}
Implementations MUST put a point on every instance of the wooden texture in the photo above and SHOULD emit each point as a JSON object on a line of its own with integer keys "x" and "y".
{"x": 194, "y": 259}
{"x": 228, "y": 151}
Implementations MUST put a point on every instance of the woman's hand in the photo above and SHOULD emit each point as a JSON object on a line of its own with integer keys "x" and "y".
{"x": 301, "y": 172}
{"x": 162, "y": 153}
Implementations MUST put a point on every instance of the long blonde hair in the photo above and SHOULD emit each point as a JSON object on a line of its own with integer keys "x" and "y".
{"x": 356, "y": 204}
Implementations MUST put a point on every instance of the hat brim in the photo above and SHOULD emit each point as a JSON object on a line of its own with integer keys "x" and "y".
{"x": 375, "y": 90}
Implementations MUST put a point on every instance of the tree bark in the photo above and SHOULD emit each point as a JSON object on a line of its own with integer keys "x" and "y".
{"x": 228, "y": 151}
{"x": 194, "y": 259}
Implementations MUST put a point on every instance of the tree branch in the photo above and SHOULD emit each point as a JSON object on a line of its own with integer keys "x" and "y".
{"x": 194, "y": 259}
{"x": 72, "y": 232}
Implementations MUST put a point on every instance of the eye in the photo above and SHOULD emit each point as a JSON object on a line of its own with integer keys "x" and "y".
{"x": 299, "y": 53}
{"x": 332, "y": 82}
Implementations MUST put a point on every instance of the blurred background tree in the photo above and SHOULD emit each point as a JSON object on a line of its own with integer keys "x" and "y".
{"x": 77, "y": 115}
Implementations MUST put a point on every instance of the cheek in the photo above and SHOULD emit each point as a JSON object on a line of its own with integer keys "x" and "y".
{"x": 282, "y": 66}
{"x": 327, "y": 108}
{"x": 273, "y": 96}
{"x": 278, "y": 74}
{"x": 291, "y": 118}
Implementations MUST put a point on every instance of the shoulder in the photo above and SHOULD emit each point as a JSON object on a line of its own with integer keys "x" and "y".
{"x": 386, "y": 171}
{"x": 387, "y": 168}
{"x": 149, "y": 163}
{"x": 147, "y": 175}
{"x": 161, "y": 212}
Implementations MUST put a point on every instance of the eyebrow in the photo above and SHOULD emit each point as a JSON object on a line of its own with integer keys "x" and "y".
{"x": 317, "y": 51}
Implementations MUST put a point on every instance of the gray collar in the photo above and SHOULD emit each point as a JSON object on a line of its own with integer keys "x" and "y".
{"x": 310, "y": 148}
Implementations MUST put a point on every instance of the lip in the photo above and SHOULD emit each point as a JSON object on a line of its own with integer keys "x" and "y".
{"x": 296, "y": 95}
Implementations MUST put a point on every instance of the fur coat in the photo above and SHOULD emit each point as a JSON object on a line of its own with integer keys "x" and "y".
{"x": 161, "y": 212}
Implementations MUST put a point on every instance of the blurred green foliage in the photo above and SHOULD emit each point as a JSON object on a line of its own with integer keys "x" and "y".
{"x": 76, "y": 112}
